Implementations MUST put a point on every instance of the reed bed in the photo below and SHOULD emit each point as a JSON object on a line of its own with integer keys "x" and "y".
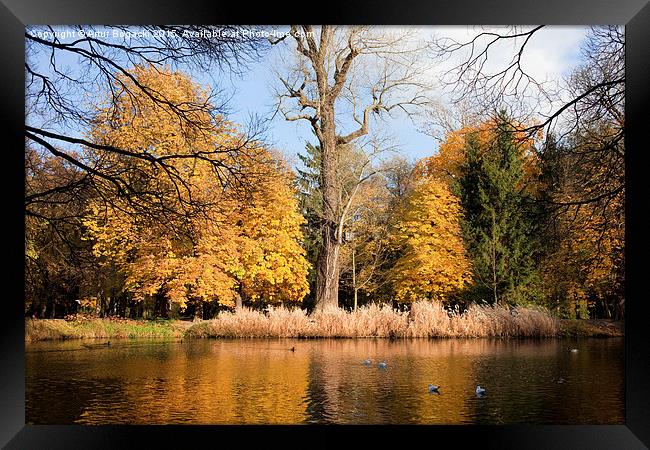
{"x": 424, "y": 320}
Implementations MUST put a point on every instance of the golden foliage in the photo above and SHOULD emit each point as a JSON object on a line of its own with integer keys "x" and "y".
{"x": 446, "y": 163}
{"x": 434, "y": 263}
{"x": 590, "y": 255}
{"x": 245, "y": 239}
{"x": 272, "y": 262}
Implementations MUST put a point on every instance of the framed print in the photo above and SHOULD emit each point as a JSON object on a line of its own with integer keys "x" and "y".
{"x": 420, "y": 220}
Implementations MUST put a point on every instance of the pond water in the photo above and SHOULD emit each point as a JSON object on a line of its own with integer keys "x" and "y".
{"x": 247, "y": 381}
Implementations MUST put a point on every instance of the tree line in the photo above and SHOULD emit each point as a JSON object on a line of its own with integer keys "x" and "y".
{"x": 164, "y": 207}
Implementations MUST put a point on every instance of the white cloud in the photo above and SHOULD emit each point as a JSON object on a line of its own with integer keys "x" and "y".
{"x": 553, "y": 52}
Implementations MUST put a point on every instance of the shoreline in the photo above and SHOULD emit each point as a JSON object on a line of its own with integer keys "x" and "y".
{"x": 37, "y": 330}
{"x": 108, "y": 328}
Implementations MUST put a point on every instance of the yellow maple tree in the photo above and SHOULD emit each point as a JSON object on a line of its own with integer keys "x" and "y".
{"x": 272, "y": 266}
{"x": 433, "y": 264}
{"x": 245, "y": 237}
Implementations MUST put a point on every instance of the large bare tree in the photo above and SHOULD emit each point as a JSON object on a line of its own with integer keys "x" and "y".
{"x": 339, "y": 78}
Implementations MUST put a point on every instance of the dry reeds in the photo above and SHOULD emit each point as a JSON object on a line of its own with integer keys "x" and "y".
{"x": 424, "y": 320}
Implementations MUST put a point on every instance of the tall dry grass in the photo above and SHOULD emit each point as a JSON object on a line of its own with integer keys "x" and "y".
{"x": 425, "y": 319}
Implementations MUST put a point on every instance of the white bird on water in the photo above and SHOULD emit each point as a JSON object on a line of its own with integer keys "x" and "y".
{"x": 382, "y": 365}
{"x": 480, "y": 390}
{"x": 574, "y": 350}
{"x": 433, "y": 388}
{"x": 367, "y": 362}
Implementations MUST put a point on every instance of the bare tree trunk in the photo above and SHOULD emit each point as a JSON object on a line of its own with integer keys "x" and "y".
{"x": 327, "y": 275}
{"x": 198, "y": 310}
{"x": 238, "y": 302}
{"x": 327, "y": 263}
{"x": 354, "y": 279}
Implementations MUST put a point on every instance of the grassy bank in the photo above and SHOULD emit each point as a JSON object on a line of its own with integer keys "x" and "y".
{"x": 425, "y": 319}
{"x": 49, "y": 329}
{"x": 592, "y": 328}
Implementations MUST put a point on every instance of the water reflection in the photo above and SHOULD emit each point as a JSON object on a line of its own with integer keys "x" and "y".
{"x": 326, "y": 381}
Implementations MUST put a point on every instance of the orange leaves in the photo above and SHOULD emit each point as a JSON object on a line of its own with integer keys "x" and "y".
{"x": 445, "y": 165}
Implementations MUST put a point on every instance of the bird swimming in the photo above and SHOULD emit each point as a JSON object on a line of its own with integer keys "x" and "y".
{"x": 574, "y": 350}
{"x": 480, "y": 390}
{"x": 367, "y": 362}
{"x": 433, "y": 388}
{"x": 382, "y": 365}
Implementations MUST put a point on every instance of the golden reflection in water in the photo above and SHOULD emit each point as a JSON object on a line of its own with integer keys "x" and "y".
{"x": 325, "y": 381}
{"x": 260, "y": 382}
{"x": 355, "y": 393}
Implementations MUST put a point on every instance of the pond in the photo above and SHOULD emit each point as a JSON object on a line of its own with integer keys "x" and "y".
{"x": 259, "y": 381}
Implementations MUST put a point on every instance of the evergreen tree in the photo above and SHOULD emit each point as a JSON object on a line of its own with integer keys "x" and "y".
{"x": 499, "y": 223}
{"x": 311, "y": 206}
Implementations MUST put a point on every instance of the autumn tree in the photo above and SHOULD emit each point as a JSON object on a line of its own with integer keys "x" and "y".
{"x": 585, "y": 112}
{"x": 328, "y": 72}
{"x": 242, "y": 240}
{"x": 583, "y": 267}
{"x": 60, "y": 96}
{"x": 433, "y": 264}
{"x": 64, "y": 76}
{"x": 57, "y": 261}
{"x": 272, "y": 259}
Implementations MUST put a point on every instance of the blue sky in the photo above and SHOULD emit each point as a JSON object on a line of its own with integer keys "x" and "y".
{"x": 550, "y": 54}
{"x": 253, "y": 95}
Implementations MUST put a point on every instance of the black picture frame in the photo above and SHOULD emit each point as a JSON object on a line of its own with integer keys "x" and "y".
{"x": 634, "y": 14}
